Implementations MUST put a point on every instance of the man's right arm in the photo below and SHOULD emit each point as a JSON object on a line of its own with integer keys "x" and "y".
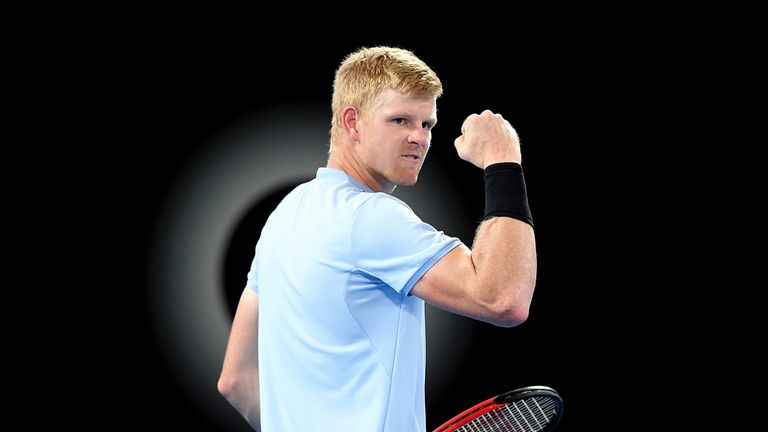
{"x": 239, "y": 381}
{"x": 493, "y": 282}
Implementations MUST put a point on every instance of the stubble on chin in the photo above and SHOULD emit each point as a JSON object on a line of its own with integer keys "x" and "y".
{"x": 409, "y": 181}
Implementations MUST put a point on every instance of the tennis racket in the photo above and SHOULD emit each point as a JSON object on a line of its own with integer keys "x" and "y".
{"x": 528, "y": 409}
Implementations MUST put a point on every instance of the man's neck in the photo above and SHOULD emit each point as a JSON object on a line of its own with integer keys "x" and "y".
{"x": 354, "y": 168}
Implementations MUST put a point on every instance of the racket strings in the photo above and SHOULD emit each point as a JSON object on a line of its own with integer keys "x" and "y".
{"x": 524, "y": 415}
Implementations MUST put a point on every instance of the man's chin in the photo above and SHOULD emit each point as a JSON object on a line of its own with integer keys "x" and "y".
{"x": 408, "y": 182}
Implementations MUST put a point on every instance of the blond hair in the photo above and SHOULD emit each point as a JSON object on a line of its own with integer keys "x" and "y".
{"x": 367, "y": 72}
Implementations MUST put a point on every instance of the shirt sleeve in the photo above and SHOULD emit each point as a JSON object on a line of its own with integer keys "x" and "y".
{"x": 393, "y": 244}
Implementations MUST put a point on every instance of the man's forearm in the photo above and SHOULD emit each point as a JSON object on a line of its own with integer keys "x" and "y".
{"x": 504, "y": 255}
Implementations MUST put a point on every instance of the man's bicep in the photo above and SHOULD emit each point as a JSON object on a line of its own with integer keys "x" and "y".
{"x": 450, "y": 282}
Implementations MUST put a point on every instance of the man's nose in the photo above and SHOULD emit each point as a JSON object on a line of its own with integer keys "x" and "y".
{"x": 418, "y": 136}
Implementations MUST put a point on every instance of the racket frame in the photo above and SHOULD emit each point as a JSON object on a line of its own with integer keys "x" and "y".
{"x": 503, "y": 399}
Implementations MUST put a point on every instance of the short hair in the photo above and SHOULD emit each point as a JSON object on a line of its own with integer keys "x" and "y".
{"x": 367, "y": 72}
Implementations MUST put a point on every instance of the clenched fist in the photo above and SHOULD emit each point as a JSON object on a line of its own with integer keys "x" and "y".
{"x": 487, "y": 139}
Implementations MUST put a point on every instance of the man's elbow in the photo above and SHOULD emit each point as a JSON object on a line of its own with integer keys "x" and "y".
{"x": 511, "y": 311}
{"x": 228, "y": 386}
{"x": 511, "y": 315}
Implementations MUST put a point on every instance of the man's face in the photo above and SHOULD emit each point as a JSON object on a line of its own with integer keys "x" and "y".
{"x": 395, "y": 138}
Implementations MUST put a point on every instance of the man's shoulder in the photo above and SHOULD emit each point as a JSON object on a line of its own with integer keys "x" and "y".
{"x": 384, "y": 208}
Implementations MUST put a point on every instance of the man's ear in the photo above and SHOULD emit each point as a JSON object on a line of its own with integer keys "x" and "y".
{"x": 350, "y": 119}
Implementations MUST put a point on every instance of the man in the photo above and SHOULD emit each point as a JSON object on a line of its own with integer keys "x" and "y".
{"x": 329, "y": 332}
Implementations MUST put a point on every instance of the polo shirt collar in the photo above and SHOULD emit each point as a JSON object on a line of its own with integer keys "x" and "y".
{"x": 333, "y": 174}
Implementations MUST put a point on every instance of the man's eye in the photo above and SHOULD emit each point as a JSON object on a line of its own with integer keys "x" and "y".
{"x": 399, "y": 120}
{"x": 426, "y": 125}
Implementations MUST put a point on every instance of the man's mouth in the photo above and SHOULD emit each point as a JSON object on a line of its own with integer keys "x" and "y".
{"x": 412, "y": 156}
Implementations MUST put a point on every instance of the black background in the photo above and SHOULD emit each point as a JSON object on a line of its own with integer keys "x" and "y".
{"x": 157, "y": 100}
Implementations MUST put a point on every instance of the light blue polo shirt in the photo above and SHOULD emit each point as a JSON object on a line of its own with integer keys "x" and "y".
{"x": 341, "y": 343}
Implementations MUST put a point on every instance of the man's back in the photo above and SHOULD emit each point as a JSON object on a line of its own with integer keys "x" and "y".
{"x": 338, "y": 332}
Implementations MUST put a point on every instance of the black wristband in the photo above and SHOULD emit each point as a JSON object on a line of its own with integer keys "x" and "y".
{"x": 505, "y": 193}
